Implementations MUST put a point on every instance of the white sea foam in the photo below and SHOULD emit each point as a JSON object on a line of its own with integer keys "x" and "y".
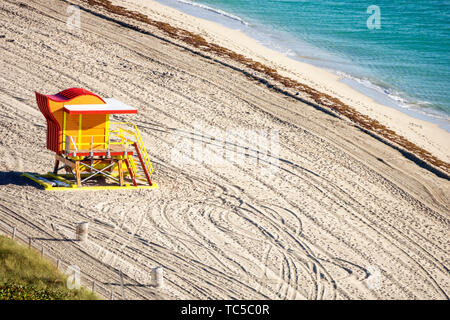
{"x": 218, "y": 11}
{"x": 398, "y": 98}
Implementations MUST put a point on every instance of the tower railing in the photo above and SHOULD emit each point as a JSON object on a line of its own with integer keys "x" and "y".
{"x": 119, "y": 133}
{"x": 130, "y": 136}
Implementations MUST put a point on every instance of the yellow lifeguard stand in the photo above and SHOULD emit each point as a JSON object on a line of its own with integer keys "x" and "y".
{"x": 88, "y": 145}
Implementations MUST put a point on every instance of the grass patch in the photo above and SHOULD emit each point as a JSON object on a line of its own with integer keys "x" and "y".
{"x": 24, "y": 275}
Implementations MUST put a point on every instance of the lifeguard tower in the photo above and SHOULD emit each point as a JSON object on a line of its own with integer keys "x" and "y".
{"x": 89, "y": 146}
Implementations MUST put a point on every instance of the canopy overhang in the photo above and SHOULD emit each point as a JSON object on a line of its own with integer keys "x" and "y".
{"x": 112, "y": 106}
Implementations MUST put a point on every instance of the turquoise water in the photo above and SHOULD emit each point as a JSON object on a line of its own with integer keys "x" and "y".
{"x": 405, "y": 63}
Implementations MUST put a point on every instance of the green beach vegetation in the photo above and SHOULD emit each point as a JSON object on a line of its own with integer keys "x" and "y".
{"x": 25, "y": 275}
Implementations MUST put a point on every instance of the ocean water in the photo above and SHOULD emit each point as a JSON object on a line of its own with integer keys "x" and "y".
{"x": 397, "y": 52}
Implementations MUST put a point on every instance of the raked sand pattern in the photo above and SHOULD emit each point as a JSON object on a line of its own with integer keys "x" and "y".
{"x": 336, "y": 215}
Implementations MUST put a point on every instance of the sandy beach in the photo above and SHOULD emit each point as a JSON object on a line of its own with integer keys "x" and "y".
{"x": 424, "y": 134}
{"x": 333, "y": 211}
